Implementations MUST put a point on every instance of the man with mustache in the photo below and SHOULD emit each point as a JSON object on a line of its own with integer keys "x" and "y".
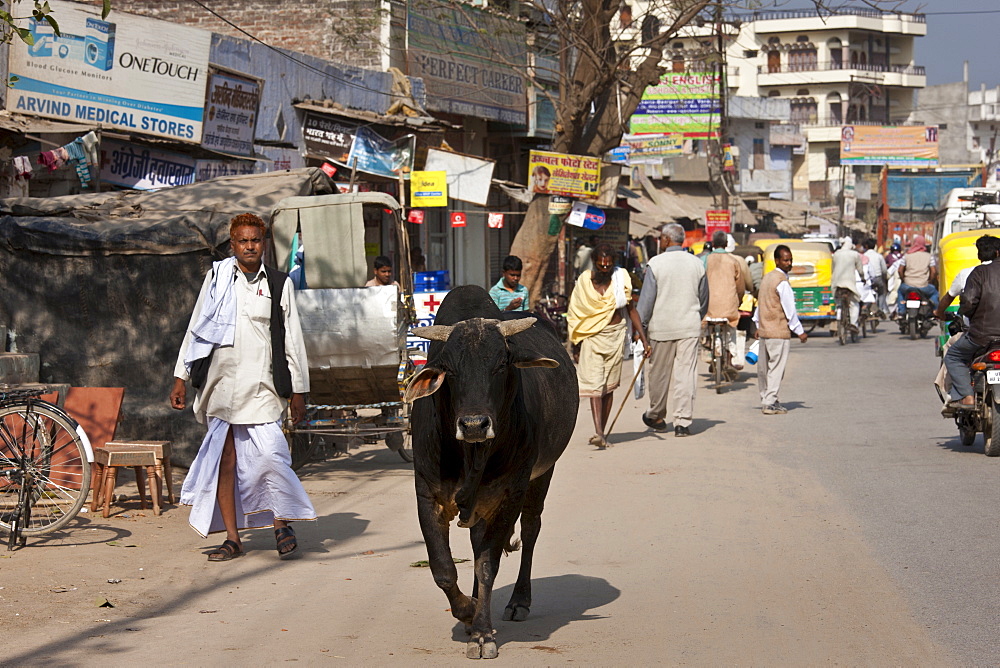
{"x": 598, "y": 306}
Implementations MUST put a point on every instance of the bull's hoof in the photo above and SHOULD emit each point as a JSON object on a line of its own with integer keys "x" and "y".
{"x": 481, "y": 649}
{"x": 517, "y": 613}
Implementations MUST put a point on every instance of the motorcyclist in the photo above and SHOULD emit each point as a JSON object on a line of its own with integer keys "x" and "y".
{"x": 847, "y": 266}
{"x": 981, "y": 305}
{"x": 895, "y": 253}
{"x": 917, "y": 273}
{"x": 877, "y": 275}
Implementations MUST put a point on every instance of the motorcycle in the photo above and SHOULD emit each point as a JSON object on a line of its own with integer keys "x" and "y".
{"x": 552, "y": 307}
{"x": 919, "y": 317}
{"x": 984, "y": 415}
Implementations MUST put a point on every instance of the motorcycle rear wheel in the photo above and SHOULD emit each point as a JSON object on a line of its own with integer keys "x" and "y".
{"x": 991, "y": 432}
{"x": 912, "y": 327}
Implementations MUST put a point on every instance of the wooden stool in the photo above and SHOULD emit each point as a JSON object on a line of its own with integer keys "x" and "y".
{"x": 161, "y": 450}
{"x": 108, "y": 460}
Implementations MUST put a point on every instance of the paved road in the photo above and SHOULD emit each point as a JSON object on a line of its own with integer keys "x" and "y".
{"x": 854, "y": 530}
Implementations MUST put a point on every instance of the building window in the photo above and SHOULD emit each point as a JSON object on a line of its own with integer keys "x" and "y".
{"x": 832, "y": 157}
{"x": 758, "y": 154}
{"x": 748, "y": 53}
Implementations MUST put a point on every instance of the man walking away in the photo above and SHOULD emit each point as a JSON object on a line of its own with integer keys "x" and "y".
{"x": 776, "y": 320}
{"x": 728, "y": 280}
{"x": 878, "y": 275}
{"x": 508, "y": 293}
{"x": 245, "y": 356}
{"x": 847, "y": 268}
{"x": 600, "y": 301}
{"x": 673, "y": 301}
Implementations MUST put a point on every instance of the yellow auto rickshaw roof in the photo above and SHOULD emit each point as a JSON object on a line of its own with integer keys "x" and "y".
{"x": 957, "y": 251}
{"x": 812, "y": 263}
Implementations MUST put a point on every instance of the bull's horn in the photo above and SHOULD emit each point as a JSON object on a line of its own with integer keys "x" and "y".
{"x": 433, "y": 332}
{"x": 512, "y": 327}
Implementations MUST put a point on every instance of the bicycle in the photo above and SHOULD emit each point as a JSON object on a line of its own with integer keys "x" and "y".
{"x": 721, "y": 361}
{"x": 45, "y": 459}
{"x": 844, "y": 317}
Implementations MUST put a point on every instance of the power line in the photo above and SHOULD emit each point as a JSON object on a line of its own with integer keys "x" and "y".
{"x": 977, "y": 11}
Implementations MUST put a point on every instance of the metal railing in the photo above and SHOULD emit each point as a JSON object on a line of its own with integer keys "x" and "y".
{"x": 917, "y": 70}
{"x": 813, "y": 13}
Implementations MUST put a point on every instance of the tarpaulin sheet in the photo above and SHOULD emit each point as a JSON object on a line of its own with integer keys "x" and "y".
{"x": 167, "y": 222}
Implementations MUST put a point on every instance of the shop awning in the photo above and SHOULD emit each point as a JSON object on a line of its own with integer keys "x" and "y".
{"x": 400, "y": 120}
{"x": 34, "y": 125}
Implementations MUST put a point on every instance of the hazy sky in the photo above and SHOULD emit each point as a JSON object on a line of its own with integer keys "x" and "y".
{"x": 952, "y": 38}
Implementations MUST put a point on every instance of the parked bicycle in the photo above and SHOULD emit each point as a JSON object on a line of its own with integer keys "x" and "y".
{"x": 45, "y": 459}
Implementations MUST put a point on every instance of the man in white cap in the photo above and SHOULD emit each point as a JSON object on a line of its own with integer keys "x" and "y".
{"x": 728, "y": 280}
{"x": 847, "y": 268}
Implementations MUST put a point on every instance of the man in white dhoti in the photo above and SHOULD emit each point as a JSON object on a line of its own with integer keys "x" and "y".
{"x": 244, "y": 354}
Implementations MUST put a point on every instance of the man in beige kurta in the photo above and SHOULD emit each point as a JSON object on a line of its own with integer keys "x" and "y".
{"x": 847, "y": 269}
{"x": 728, "y": 280}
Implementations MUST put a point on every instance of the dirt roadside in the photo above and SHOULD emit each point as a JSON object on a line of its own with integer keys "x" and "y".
{"x": 698, "y": 551}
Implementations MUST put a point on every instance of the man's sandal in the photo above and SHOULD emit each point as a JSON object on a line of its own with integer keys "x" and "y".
{"x": 287, "y": 544}
{"x": 228, "y": 550}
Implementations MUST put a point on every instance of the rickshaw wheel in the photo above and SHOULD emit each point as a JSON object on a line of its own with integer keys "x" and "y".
{"x": 302, "y": 448}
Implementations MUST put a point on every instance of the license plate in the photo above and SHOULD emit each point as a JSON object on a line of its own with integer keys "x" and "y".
{"x": 993, "y": 377}
{"x": 912, "y": 303}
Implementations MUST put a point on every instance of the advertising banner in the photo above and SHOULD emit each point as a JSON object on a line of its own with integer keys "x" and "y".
{"x": 586, "y": 216}
{"x": 231, "y": 113}
{"x": 564, "y": 174}
{"x": 143, "y": 168}
{"x": 649, "y": 149}
{"x": 328, "y": 137}
{"x": 469, "y": 178}
{"x": 134, "y": 73}
{"x": 895, "y": 146}
{"x": 428, "y": 189}
{"x": 460, "y": 52}
{"x": 716, "y": 221}
{"x": 494, "y": 221}
{"x": 682, "y": 103}
{"x": 377, "y": 155}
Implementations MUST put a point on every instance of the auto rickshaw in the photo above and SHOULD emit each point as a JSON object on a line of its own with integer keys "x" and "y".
{"x": 810, "y": 278}
{"x": 956, "y": 252}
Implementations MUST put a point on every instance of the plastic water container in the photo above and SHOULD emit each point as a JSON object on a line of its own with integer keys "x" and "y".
{"x": 431, "y": 281}
{"x": 752, "y": 352}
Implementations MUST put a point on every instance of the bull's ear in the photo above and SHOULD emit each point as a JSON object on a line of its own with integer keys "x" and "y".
{"x": 424, "y": 384}
{"x": 546, "y": 362}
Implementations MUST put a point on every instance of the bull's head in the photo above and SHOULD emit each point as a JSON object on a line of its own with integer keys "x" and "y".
{"x": 476, "y": 360}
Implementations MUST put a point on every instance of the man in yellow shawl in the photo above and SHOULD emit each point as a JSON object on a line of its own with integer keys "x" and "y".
{"x": 596, "y": 317}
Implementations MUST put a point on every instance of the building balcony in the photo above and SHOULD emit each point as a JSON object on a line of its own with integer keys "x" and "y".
{"x": 833, "y": 72}
{"x": 850, "y": 18}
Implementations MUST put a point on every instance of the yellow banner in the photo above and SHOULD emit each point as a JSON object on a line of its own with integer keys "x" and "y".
{"x": 564, "y": 174}
{"x": 896, "y": 146}
{"x": 428, "y": 189}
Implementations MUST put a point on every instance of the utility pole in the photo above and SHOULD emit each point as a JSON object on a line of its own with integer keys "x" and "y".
{"x": 721, "y": 69}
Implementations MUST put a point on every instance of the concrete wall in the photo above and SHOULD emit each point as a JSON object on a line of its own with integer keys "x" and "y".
{"x": 344, "y": 31}
{"x": 946, "y": 104}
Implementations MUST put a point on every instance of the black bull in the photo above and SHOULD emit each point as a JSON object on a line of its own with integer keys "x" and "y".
{"x": 493, "y": 409}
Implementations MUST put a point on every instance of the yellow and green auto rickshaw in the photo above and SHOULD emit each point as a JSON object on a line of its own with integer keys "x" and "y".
{"x": 956, "y": 252}
{"x": 810, "y": 278}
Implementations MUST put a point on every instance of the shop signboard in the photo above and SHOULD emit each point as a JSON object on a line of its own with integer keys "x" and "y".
{"x": 206, "y": 170}
{"x": 380, "y": 156}
{"x": 717, "y": 221}
{"x": 131, "y": 73}
{"x": 144, "y": 168}
{"x": 683, "y": 103}
{"x": 564, "y": 174}
{"x": 468, "y": 59}
{"x": 327, "y": 137}
{"x": 469, "y": 178}
{"x": 428, "y": 189}
{"x": 895, "y": 146}
{"x": 231, "y": 113}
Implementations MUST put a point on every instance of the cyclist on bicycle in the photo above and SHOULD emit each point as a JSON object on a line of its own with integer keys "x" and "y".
{"x": 847, "y": 267}
{"x": 728, "y": 280}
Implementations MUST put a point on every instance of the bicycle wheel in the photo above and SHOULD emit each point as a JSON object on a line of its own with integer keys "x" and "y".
{"x": 717, "y": 359}
{"x": 842, "y": 326}
{"x": 39, "y": 447}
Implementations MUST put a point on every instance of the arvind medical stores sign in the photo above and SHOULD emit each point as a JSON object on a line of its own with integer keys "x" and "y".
{"x": 682, "y": 103}
{"x": 466, "y": 58}
{"x": 133, "y": 73}
{"x": 895, "y": 146}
